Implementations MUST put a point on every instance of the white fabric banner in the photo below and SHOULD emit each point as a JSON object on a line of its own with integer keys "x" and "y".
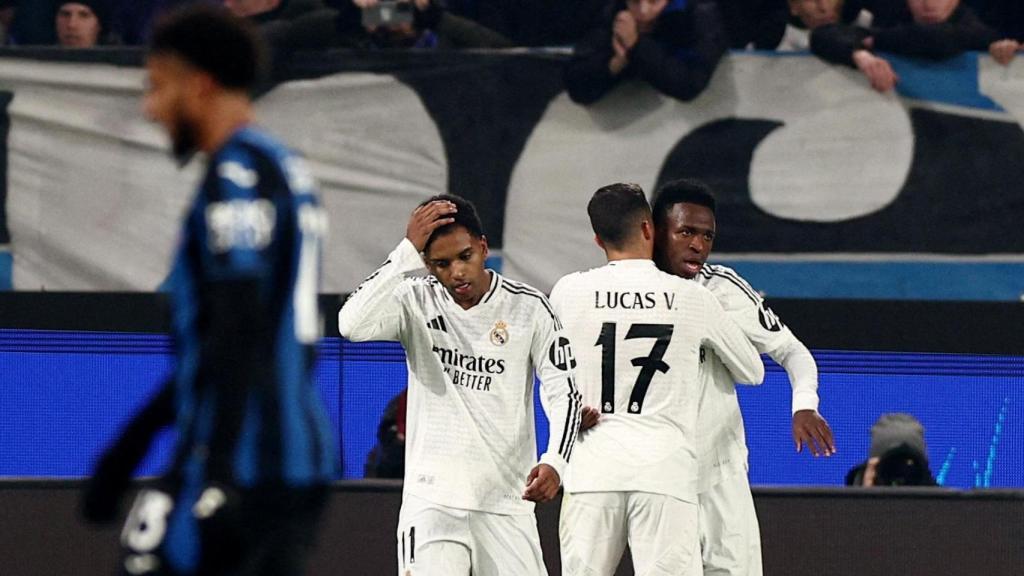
{"x": 95, "y": 201}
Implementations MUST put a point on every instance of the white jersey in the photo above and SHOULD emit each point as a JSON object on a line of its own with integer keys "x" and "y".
{"x": 722, "y": 440}
{"x": 470, "y": 438}
{"x": 639, "y": 335}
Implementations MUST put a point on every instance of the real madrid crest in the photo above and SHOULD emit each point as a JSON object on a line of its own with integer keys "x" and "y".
{"x": 499, "y": 334}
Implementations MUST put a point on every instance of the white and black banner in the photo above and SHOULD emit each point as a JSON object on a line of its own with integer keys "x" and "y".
{"x": 808, "y": 161}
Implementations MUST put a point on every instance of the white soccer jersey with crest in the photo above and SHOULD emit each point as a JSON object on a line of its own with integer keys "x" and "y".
{"x": 470, "y": 437}
{"x": 722, "y": 440}
{"x": 638, "y": 335}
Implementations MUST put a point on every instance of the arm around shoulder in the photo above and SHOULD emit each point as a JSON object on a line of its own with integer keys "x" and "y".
{"x": 730, "y": 343}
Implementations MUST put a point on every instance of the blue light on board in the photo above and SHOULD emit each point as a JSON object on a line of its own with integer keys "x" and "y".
{"x": 64, "y": 395}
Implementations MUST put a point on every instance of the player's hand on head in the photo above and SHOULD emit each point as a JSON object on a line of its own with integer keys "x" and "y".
{"x": 427, "y": 218}
{"x": 810, "y": 429}
{"x": 591, "y": 416}
{"x": 542, "y": 484}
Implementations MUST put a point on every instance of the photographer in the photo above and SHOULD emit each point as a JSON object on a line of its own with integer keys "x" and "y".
{"x": 898, "y": 456}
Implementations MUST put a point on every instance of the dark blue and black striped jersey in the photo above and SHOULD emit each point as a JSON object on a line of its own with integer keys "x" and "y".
{"x": 246, "y": 322}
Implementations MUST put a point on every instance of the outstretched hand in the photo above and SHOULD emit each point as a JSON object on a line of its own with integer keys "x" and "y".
{"x": 810, "y": 429}
{"x": 427, "y": 218}
{"x": 877, "y": 70}
{"x": 542, "y": 484}
{"x": 1003, "y": 51}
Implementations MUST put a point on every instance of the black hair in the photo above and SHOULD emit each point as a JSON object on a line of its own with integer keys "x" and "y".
{"x": 465, "y": 217}
{"x": 614, "y": 210}
{"x": 684, "y": 190}
{"x": 214, "y": 40}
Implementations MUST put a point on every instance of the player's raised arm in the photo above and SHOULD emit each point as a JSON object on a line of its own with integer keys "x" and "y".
{"x": 553, "y": 357}
{"x": 373, "y": 312}
{"x": 732, "y": 346}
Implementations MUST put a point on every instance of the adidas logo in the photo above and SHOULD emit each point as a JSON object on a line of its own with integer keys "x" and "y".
{"x": 438, "y": 324}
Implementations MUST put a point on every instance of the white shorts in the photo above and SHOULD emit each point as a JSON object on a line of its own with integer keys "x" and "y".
{"x": 435, "y": 540}
{"x": 661, "y": 531}
{"x": 730, "y": 538}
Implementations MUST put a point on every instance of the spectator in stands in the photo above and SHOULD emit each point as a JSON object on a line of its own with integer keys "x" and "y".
{"x": 933, "y": 29}
{"x": 537, "y": 22}
{"x": 1007, "y": 16}
{"x": 431, "y": 26}
{"x": 807, "y": 15}
{"x": 674, "y": 45}
{"x": 290, "y": 25}
{"x": 898, "y": 455}
{"x": 32, "y": 24}
{"x": 387, "y": 458}
{"x": 7, "y": 10}
{"x": 134, "y": 19}
{"x": 82, "y": 24}
{"x": 754, "y": 24}
{"x": 263, "y": 11}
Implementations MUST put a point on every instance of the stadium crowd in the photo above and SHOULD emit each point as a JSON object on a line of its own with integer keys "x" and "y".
{"x": 675, "y": 45}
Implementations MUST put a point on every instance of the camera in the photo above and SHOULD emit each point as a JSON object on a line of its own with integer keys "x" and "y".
{"x": 388, "y": 13}
{"x": 903, "y": 466}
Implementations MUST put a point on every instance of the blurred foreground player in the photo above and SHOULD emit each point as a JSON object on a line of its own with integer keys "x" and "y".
{"x": 254, "y": 452}
{"x": 642, "y": 336}
{"x": 684, "y": 212}
{"x": 473, "y": 341}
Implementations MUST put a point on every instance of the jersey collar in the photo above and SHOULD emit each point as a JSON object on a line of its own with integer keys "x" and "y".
{"x": 632, "y": 263}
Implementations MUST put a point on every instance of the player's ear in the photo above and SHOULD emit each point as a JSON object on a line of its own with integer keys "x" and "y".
{"x": 647, "y": 229}
{"x": 597, "y": 240}
{"x": 483, "y": 246}
{"x": 198, "y": 86}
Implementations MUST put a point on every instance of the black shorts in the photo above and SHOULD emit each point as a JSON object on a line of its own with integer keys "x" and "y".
{"x": 221, "y": 531}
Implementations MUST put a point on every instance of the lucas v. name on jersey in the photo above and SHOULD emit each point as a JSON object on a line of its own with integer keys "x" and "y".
{"x": 471, "y": 372}
{"x": 607, "y": 300}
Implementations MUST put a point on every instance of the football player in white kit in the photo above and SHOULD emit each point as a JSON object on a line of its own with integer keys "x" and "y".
{"x": 640, "y": 337}
{"x": 684, "y": 212}
{"x": 473, "y": 340}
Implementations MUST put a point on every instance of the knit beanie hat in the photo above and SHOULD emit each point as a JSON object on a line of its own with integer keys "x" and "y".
{"x": 101, "y": 8}
{"x": 891, "y": 430}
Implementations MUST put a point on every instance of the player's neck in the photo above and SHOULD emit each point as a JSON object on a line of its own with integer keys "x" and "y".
{"x": 628, "y": 253}
{"x": 225, "y": 115}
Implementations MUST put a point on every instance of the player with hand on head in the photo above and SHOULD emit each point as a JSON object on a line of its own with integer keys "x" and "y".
{"x": 684, "y": 213}
{"x": 641, "y": 337}
{"x": 474, "y": 341}
{"x": 254, "y": 448}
